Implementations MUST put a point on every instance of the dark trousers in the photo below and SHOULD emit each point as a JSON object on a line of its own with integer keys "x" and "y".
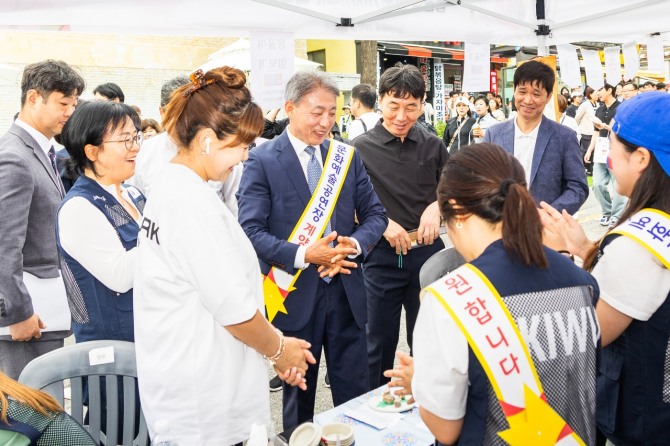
{"x": 333, "y": 328}
{"x": 390, "y": 286}
{"x": 584, "y": 143}
{"x": 15, "y": 355}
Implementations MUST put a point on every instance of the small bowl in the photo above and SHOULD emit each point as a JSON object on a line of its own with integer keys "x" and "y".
{"x": 307, "y": 434}
{"x": 330, "y": 431}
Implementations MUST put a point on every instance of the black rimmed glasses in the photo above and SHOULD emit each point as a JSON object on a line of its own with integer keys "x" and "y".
{"x": 129, "y": 141}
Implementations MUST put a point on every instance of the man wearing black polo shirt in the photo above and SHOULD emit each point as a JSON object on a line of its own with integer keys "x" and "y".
{"x": 611, "y": 203}
{"x": 404, "y": 165}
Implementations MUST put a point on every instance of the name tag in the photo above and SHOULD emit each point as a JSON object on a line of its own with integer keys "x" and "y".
{"x": 103, "y": 355}
{"x": 602, "y": 150}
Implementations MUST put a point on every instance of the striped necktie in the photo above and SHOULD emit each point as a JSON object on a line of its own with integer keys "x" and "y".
{"x": 314, "y": 169}
{"x": 52, "y": 157}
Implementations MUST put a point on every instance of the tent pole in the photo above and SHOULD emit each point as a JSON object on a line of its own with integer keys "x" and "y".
{"x": 541, "y": 45}
{"x": 542, "y": 28}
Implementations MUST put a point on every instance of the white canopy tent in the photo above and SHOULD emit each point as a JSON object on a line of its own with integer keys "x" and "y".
{"x": 513, "y": 22}
{"x": 238, "y": 55}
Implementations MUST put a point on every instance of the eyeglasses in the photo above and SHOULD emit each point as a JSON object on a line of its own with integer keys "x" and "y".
{"x": 130, "y": 141}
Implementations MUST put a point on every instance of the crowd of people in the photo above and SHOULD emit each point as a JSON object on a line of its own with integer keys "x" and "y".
{"x": 221, "y": 239}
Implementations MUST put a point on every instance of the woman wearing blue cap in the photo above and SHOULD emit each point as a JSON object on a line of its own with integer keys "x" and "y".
{"x": 631, "y": 264}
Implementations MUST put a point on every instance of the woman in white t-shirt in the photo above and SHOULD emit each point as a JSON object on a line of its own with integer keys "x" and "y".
{"x": 200, "y": 331}
{"x": 634, "y": 308}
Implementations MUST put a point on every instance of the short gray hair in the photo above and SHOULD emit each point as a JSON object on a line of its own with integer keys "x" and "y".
{"x": 170, "y": 86}
{"x": 304, "y": 82}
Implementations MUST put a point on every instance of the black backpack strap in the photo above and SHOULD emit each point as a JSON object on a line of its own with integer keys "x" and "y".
{"x": 365, "y": 127}
{"x": 22, "y": 428}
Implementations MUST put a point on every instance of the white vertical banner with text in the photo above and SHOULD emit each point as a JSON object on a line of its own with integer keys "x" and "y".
{"x": 613, "y": 65}
{"x": 631, "y": 60}
{"x": 476, "y": 67}
{"x": 569, "y": 62}
{"x": 438, "y": 85}
{"x": 593, "y": 69}
{"x": 655, "y": 54}
{"x": 272, "y": 56}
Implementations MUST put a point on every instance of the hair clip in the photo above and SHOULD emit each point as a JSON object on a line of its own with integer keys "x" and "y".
{"x": 198, "y": 81}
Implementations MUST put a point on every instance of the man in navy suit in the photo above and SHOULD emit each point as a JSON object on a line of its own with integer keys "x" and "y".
{"x": 549, "y": 152}
{"x": 273, "y": 193}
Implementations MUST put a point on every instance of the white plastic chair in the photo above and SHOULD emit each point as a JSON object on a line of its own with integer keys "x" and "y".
{"x": 439, "y": 264}
{"x": 113, "y": 361}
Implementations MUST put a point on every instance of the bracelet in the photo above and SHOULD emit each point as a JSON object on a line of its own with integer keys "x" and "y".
{"x": 567, "y": 253}
{"x": 280, "y": 351}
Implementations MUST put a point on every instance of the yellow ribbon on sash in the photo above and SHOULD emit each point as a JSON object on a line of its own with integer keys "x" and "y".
{"x": 309, "y": 228}
{"x": 484, "y": 319}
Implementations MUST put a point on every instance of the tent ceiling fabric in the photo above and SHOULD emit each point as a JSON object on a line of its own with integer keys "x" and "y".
{"x": 238, "y": 55}
{"x": 485, "y": 21}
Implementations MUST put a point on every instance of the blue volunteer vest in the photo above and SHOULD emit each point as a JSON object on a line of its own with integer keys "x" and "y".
{"x": 483, "y": 416}
{"x": 97, "y": 311}
{"x": 633, "y": 384}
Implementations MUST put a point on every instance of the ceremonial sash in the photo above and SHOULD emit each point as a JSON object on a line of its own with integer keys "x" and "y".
{"x": 309, "y": 228}
{"x": 650, "y": 228}
{"x": 492, "y": 333}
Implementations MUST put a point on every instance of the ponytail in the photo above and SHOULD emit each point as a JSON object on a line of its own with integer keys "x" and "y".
{"x": 486, "y": 181}
{"x": 521, "y": 226}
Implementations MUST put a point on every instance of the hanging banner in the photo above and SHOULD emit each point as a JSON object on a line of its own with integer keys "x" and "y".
{"x": 655, "y": 54}
{"x": 438, "y": 96}
{"x": 476, "y": 67}
{"x": 593, "y": 69}
{"x": 569, "y": 62}
{"x": 272, "y": 60}
{"x": 631, "y": 60}
{"x": 613, "y": 64}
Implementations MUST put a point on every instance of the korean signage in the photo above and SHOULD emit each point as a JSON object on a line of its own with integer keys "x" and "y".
{"x": 271, "y": 66}
{"x": 424, "y": 67}
{"x": 494, "y": 82}
{"x": 438, "y": 96}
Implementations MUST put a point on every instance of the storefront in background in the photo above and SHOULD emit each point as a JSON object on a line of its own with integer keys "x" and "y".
{"x": 440, "y": 63}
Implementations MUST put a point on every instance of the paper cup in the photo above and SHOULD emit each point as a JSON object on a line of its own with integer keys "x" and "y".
{"x": 307, "y": 434}
{"x": 330, "y": 432}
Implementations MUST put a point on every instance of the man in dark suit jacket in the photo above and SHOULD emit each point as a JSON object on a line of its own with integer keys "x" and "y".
{"x": 30, "y": 192}
{"x": 272, "y": 196}
{"x": 548, "y": 151}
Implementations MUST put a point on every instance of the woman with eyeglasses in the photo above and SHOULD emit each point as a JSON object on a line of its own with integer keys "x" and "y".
{"x": 98, "y": 220}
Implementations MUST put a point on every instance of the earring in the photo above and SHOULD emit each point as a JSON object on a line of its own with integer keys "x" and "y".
{"x": 206, "y": 151}
{"x": 459, "y": 225}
